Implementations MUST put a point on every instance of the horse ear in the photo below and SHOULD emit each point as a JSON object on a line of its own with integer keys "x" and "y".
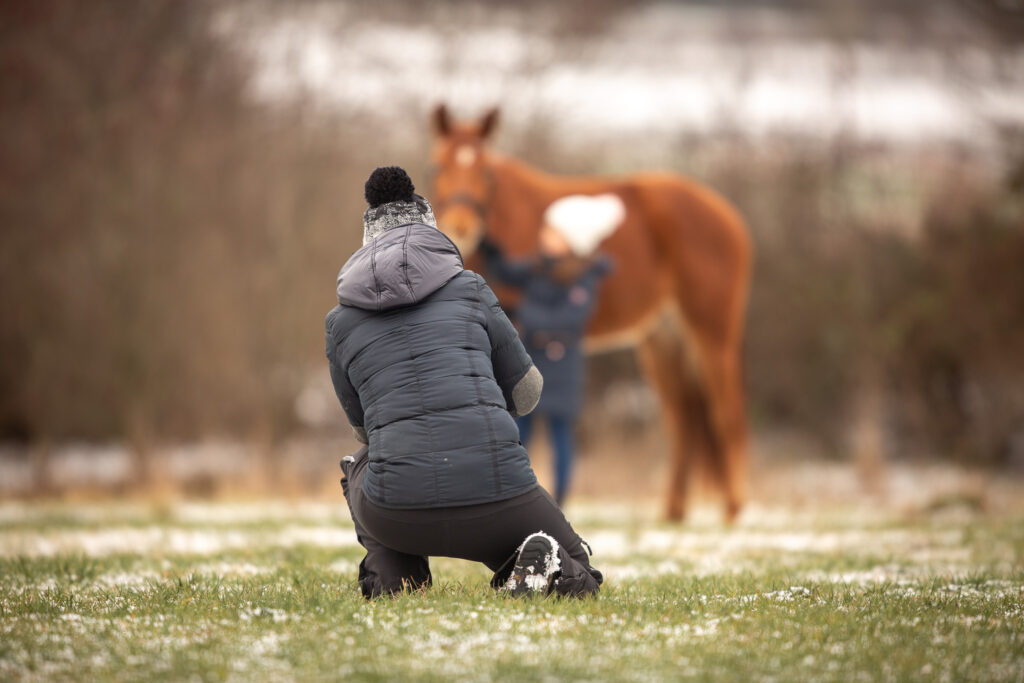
{"x": 441, "y": 120}
{"x": 489, "y": 122}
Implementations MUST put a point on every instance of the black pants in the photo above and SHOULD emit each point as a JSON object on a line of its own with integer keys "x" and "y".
{"x": 398, "y": 542}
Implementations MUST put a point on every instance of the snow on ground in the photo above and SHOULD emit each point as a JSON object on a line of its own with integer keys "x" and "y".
{"x": 628, "y": 542}
{"x": 210, "y": 528}
{"x": 164, "y": 540}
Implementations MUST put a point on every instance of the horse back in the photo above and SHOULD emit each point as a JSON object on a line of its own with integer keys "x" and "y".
{"x": 678, "y": 235}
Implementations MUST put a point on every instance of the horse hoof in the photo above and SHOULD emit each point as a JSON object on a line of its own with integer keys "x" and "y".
{"x": 732, "y": 512}
{"x": 674, "y": 515}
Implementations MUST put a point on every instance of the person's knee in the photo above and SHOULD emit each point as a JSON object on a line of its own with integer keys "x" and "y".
{"x": 373, "y": 587}
{"x": 381, "y": 577}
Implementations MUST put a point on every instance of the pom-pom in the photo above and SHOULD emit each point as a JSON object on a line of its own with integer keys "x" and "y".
{"x": 388, "y": 184}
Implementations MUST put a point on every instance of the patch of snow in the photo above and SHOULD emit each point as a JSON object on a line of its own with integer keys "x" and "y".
{"x": 165, "y": 540}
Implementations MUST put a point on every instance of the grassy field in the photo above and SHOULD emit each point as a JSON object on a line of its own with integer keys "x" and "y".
{"x": 267, "y": 591}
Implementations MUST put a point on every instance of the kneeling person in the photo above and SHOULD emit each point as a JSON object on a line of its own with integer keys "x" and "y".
{"x": 431, "y": 375}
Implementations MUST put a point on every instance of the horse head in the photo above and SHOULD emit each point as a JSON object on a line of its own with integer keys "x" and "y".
{"x": 462, "y": 182}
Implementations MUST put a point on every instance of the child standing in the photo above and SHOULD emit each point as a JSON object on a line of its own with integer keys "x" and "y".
{"x": 559, "y": 285}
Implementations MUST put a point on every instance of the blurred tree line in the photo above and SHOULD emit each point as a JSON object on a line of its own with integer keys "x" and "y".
{"x": 847, "y": 307}
{"x": 167, "y": 246}
{"x": 168, "y": 250}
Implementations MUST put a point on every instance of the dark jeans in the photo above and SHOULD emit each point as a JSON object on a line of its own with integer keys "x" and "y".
{"x": 398, "y": 542}
{"x": 563, "y": 445}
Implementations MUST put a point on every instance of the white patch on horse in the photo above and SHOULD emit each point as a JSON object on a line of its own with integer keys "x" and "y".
{"x": 465, "y": 155}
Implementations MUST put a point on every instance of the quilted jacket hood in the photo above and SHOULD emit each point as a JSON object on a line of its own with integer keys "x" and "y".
{"x": 400, "y": 267}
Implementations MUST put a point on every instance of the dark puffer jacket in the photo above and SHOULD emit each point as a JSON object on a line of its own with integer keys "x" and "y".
{"x": 424, "y": 359}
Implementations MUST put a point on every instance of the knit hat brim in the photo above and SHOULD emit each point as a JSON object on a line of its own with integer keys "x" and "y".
{"x": 381, "y": 218}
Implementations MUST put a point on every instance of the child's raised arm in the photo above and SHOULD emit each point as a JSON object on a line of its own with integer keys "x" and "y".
{"x": 514, "y": 272}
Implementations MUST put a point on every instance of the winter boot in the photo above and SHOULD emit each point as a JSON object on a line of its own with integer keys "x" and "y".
{"x": 536, "y": 566}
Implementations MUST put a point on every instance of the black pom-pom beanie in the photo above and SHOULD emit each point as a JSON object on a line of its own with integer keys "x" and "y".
{"x": 393, "y": 202}
{"x": 388, "y": 184}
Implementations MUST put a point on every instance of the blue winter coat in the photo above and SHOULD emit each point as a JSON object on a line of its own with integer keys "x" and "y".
{"x": 424, "y": 359}
{"x": 552, "y": 317}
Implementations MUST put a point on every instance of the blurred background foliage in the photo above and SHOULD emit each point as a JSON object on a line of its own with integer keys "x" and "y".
{"x": 170, "y": 240}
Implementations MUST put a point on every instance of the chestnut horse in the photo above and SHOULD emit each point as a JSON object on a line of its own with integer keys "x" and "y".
{"x": 678, "y": 292}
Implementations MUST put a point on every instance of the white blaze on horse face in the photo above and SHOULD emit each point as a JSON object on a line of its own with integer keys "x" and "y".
{"x": 465, "y": 155}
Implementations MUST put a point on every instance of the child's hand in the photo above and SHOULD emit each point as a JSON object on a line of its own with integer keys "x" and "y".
{"x": 488, "y": 247}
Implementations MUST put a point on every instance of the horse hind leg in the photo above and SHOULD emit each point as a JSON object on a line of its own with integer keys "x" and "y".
{"x": 727, "y": 419}
{"x": 663, "y": 359}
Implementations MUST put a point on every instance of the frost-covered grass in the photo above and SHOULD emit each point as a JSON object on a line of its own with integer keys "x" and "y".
{"x": 267, "y": 591}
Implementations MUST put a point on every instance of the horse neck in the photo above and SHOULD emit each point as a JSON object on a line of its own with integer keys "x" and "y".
{"x": 511, "y": 173}
{"x": 517, "y": 205}
{"x": 521, "y": 194}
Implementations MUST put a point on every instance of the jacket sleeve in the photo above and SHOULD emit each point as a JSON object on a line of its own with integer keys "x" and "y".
{"x": 603, "y": 266}
{"x": 509, "y": 358}
{"x": 343, "y": 388}
{"x": 507, "y": 271}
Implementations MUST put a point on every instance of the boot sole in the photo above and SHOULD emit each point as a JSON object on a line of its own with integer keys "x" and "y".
{"x": 529, "y": 573}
